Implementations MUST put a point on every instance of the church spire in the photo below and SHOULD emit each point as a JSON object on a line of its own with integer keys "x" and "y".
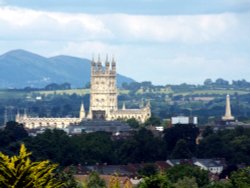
{"x": 228, "y": 115}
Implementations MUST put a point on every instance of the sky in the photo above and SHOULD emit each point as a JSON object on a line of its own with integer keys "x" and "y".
{"x": 162, "y": 41}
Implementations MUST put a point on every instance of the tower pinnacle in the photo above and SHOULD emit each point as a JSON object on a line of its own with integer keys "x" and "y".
{"x": 228, "y": 115}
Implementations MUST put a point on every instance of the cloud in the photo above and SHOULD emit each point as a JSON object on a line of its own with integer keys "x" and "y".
{"x": 165, "y": 48}
{"x": 30, "y": 24}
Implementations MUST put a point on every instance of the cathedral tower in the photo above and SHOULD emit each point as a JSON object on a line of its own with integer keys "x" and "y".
{"x": 103, "y": 91}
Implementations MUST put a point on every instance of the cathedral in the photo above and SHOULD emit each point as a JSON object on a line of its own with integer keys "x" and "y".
{"x": 38, "y": 122}
{"x": 103, "y": 102}
{"x": 104, "y": 94}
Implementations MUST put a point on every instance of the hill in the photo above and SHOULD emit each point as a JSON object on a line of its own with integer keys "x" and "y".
{"x": 20, "y": 68}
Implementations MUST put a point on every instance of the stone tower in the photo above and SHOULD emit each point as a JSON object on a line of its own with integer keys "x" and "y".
{"x": 103, "y": 91}
{"x": 228, "y": 116}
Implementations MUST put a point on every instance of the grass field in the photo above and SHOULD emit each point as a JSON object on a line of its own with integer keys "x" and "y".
{"x": 8, "y": 94}
{"x": 80, "y": 92}
{"x": 213, "y": 92}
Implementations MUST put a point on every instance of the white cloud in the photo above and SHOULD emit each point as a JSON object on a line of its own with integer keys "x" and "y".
{"x": 29, "y": 24}
{"x": 166, "y": 49}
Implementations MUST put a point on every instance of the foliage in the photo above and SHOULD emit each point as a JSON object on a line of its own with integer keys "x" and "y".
{"x": 20, "y": 171}
{"x": 186, "y": 182}
{"x": 181, "y": 150}
{"x": 13, "y": 132}
{"x": 132, "y": 122}
{"x": 233, "y": 145}
{"x": 148, "y": 170}
{"x": 180, "y": 171}
{"x": 220, "y": 184}
{"x": 114, "y": 182}
{"x": 155, "y": 181}
{"x": 241, "y": 178}
{"x": 185, "y": 132}
{"x": 94, "y": 181}
{"x": 67, "y": 176}
{"x": 153, "y": 120}
{"x": 143, "y": 146}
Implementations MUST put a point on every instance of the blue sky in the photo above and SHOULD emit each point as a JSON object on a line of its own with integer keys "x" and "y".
{"x": 164, "y": 41}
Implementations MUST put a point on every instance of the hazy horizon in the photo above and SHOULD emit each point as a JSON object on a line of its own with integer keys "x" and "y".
{"x": 162, "y": 41}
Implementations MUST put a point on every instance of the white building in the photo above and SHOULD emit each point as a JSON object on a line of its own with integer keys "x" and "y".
{"x": 184, "y": 120}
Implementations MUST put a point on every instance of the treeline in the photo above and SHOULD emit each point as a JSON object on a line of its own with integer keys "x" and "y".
{"x": 49, "y": 87}
{"x": 208, "y": 83}
{"x": 100, "y": 147}
{"x": 20, "y": 171}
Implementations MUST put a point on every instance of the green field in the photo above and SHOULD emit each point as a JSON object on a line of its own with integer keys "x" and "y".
{"x": 80, "y": 92}
{"x": 213, "y": 92}
{"x": 9, "y": 94}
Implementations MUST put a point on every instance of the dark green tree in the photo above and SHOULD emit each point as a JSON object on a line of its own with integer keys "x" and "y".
{"x": 241, "y": 178}
{"x": 155, "y": 181}
{"x": 187, "y": 132}
{"x": 148, "y": 170}
{"x": 132, "y": 122}
{"x": 181, "y": 150}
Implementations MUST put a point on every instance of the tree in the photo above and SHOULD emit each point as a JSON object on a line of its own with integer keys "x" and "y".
{"x": 156, "y": 181}
{"x": 181, "y": 150}
{"x": 187, "y": 132}
{"x": 222, "y": 184}
{"x": 20, "y": 171}
{"x": 114, "y": 182}
{"x": 180, "y": 171}
{"x": 221, "y": 82}
{"x": 94, "y": 181}
{"x": 153, "y": 120}
{"x": 208, "y": 81}
{"x": 207, "y": 131}
{"x": 67, "y": 176}
{"x": 186, "y": 182}
{"x": 148, "y": 170}
{"x": 241, "y": 178}
{"x": 15, "y": 131}
{"x": 132, "y": 122}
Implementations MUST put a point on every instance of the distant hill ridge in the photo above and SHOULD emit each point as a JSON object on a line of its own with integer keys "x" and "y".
{"x": 20, "y": 68}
